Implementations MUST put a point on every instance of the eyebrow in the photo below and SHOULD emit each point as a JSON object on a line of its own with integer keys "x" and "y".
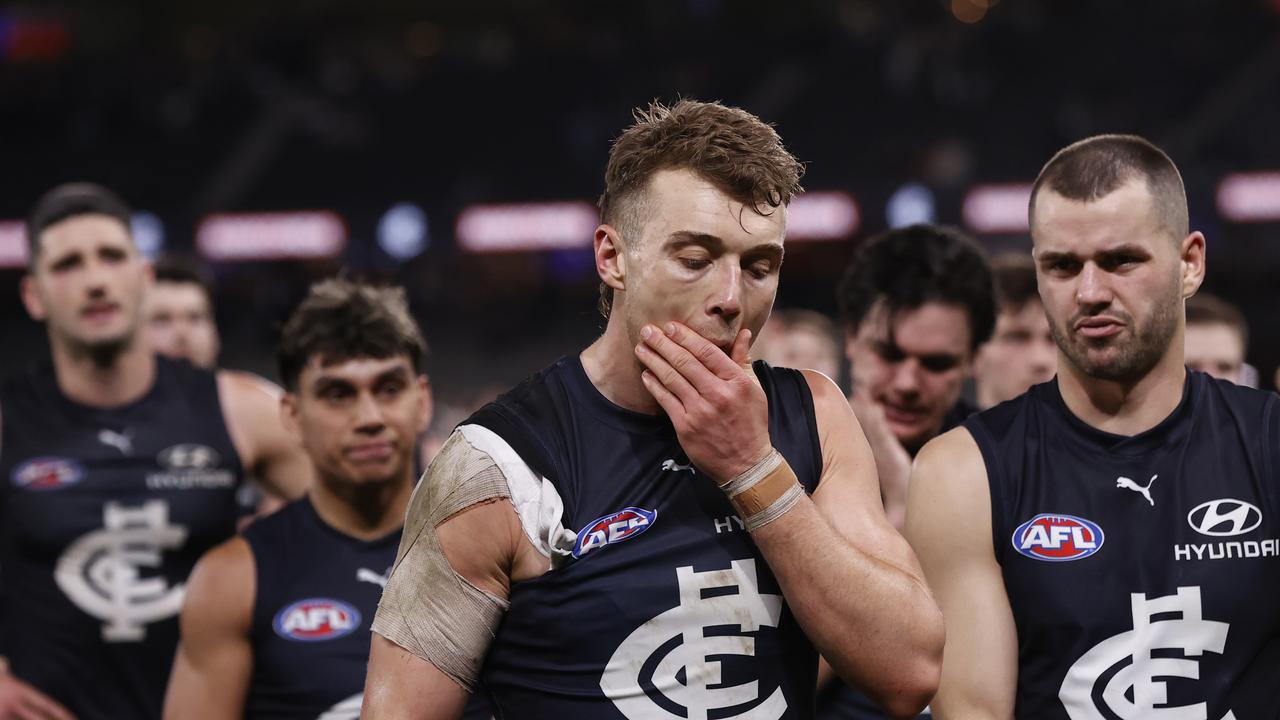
{"x": 1121, "y": 249}
{"x": 713, "y": 243}
{"x": 327, "y": 381}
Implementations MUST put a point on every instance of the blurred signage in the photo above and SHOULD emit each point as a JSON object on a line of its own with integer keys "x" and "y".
{"x": 996, "y": 209}
{"x": 830, "y": 215}
{"x": 271, "y": 236}
{"x": 1250, "y": 197}
{"x": 13, "y": 244}
{"x": 527, "y": 226}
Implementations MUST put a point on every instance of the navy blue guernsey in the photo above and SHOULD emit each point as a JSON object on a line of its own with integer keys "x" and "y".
{"x": 1142, "y": 571}
{"x": 317, "y": 591}
{"x": 666, "y": 608}
{"x": 104, "y": 513}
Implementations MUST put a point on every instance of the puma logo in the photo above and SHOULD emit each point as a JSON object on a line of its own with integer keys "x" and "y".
{"x": 120, "y": 441}
{"x": 1126, "y": 483}
{"x": 675, "y": 466}
{"x": 369, "y": 576}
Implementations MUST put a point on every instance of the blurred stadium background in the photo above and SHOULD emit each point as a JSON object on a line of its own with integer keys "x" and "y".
{"x": 457, "y": 147}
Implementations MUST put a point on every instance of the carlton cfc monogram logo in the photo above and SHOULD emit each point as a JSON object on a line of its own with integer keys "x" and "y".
{"x": 1133, "y": 660}
{"x": 100, "y": 572}
{"x": 685, "y": 674}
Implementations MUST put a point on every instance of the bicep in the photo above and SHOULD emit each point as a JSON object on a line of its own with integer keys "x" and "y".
{"x": 949, "y": 525}
{"x": 276, "y": 459}
{"x": 402, "y": 685}
{"x": 214, "y": 660}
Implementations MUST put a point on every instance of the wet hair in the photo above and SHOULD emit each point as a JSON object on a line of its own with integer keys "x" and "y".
{"x": 71, "y": 200}
{"x": 1206, "y": 309}
{"x": 911, "y": 266}
{"x": 733, "y": 149}
{"x": 341, "y": 320}
{"x": 1014, "y": 279}
{"x": 1097, "y": 166}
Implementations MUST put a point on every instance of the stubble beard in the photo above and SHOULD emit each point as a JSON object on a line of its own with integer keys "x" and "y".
{"x": 1131, "y": 358}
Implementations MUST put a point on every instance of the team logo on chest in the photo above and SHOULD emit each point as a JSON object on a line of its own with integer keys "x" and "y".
{"x": 614, "y": 528}
{"x": 1057, "y": 538}
{"x": 1132, "y": 661}
{"x": 316, "y": 619}
{"x": 101, "y": 572}
{"x": 674, "y": 656}
{"x": 47, "y": 473}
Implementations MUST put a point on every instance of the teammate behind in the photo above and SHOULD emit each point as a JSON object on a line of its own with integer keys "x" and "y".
{"x": 1104, "y": 545}
{"x": 1217, "y": 340}
{"x": 276, "y": 621}
{"x": 655, "y": 528}
{"x": 120, "y": 469}
{"x": 1021, "y": 351}
{"x": 179, "y": 312}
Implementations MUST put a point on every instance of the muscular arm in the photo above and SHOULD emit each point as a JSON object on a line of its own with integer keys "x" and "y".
{"x": 485, "y": 545}
{"x": 949, "y": 525}
{"x": 276, "y": 460}
{"x": 215, "y": 659}
{"x": 851, "y": 580}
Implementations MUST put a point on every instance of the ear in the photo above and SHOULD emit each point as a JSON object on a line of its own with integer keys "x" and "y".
{"x": 611, "y": 261}
{"x": 31, "y": 298}
{"x": 289, "y": 415}
{"x": 1192, "y": 256}
{"x": 426, "y": 406}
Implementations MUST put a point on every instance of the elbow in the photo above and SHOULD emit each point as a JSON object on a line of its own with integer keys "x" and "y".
{"x": 914, "y": 689}
{"x": 917, "y": 675}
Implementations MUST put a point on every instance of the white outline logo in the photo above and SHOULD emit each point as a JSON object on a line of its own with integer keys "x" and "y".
{"x": 1244, "y": 517}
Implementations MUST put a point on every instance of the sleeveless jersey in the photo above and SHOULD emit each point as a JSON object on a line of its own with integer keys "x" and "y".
{"x": 317, "y": 591}
{"x": 104, "y": 513}
{"x": 1142, "y": 571}
{"x": 664, "y": 608}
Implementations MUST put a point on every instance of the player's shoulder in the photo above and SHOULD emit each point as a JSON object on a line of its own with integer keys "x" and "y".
{"x": 953, "y": 450}
{"x": 220, "y": 591}
{"x": 246, "y": 387}
{"x": 1243, "y": 400}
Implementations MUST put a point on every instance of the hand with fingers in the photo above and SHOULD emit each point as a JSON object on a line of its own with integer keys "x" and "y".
{"x": 715, "y": 402}
{"x": 20, "y": 701}
{"x": 893, "y": 462}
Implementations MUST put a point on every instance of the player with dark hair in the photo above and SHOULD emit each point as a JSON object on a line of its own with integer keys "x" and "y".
{"x": 1104, "y": 546}
{"x": 121, "y": 468}
{"x": 1217, "y": 339}
{"x": 179, "y": 311}
{"x": 1021, "y": 351}
{"x": 917, "y": 302}
{"x": 655, "y": 528}
{"x": 276, "y": 622}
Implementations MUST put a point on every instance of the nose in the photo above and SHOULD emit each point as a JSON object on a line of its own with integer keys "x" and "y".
{"x": 906, "y": 377}
{"x": 369, "y": 418}
{"x": 1091, "y": 287}
{"x": 726, "y": 299}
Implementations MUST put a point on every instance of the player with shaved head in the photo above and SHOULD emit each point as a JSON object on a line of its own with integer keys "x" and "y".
{"x": 1104, "y": 546}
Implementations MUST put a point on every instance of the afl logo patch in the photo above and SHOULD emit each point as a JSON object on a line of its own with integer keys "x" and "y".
{"x": 1057, "y": 538}
{"x": 316, "y": 619}
{"x": 47, "y": 473}
{"x": 616, "y": 527}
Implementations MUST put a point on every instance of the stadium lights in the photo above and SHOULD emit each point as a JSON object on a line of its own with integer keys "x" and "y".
{"x": 829, "y": 215}
{"x": 527, "y": 226}
{"x": 1250, "y": 197}
{"x": 13, "y": 244}
{"x": 271, "y": 236}
{"x": 403, "y": 231}
{"x": 996, "y": 209}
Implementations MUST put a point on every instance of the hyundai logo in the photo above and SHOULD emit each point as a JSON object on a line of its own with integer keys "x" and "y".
{"x": 1224, "y": 517}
